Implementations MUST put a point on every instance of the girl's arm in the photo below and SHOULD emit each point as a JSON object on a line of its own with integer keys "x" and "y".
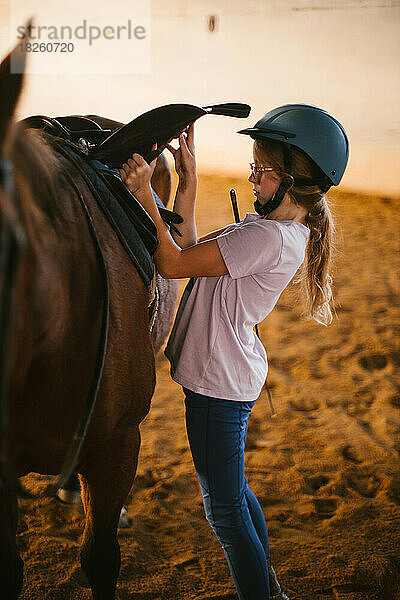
{"x": 185, "y": 166}
{"x": 201, "y": 260}
{"x": 212, "y": 235}
{"x": 184, "y": 206}
{"x": 198, "y": 260}
{"x": 185, "y": 197}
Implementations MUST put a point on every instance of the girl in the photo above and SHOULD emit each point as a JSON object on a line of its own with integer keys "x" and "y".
{"x": 237, "y": 275}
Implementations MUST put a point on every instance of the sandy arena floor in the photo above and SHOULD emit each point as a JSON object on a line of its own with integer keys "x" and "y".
{"x": 326, "y": 470}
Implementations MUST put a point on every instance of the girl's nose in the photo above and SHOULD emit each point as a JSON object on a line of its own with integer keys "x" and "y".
{"x": 251, "y": 178}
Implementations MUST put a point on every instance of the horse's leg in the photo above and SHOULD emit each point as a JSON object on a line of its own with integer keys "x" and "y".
{"x": 105, "y": 483}
{"x": 161, "y": 179}
{"x": 11, "y": 564}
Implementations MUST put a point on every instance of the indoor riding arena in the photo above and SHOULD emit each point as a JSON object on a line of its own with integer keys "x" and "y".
{"x": 323, "y": 459}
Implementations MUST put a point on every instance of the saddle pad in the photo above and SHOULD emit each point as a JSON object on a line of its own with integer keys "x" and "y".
{"x": 133, "y": 226}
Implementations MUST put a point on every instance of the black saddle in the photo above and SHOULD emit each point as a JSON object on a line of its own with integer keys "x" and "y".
{"x": 133, "y": 226}
{"x": 157, "y": 126}
{"x": 98, "y": 154}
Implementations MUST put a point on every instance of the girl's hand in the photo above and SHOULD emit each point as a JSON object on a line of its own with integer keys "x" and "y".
{"x": 136, "y": 173}
{"x": 184, "y": 157}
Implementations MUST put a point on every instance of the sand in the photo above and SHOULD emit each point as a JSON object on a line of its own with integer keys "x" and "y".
{"x": 326, "y": 469}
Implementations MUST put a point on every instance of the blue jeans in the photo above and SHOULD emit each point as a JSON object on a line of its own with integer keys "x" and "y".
{"x": 217, "y": 435}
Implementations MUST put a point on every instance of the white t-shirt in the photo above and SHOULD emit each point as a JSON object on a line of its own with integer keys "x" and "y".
{"x": 213, "y": 348}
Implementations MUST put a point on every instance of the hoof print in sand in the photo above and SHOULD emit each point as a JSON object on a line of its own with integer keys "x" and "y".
{"x": 147, "y": 480}
{"x": 186, "y": 563}
{"x": 304, "y": 405}
{"x": 162, "y": 491}
{"x": 365, "y": 484}
{"x": 350, "y": 454}
{"x": 325, "y": 507}
{"x": 372, "y": 362}
{"x": 190, "y": 566}
{"x": 318, "y": 482}
{"x": 297, "y": 572}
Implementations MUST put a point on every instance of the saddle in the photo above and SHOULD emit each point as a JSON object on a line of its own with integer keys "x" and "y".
{"x": 98, "y": 154}
{"x": 73, "y": 135}
{"x": 157, "y": 126}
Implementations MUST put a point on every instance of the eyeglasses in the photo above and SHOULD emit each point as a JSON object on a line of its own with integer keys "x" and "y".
{"x": 255, "y": 170}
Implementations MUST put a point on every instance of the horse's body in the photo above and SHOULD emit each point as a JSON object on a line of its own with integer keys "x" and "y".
{"x": 55, "y": 334}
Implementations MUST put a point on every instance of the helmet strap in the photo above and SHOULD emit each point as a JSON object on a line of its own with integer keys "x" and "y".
{"x": 274, "y": 202}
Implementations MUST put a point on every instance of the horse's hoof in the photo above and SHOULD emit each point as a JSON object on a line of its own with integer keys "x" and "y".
{"x": 124, "y": 522}
{"x": 69, "y": 496}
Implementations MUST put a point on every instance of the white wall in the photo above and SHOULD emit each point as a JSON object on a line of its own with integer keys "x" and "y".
{"x": 341, "y": 55}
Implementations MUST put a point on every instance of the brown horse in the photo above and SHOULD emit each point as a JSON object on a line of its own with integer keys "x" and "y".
{"x": 58, "y": 298}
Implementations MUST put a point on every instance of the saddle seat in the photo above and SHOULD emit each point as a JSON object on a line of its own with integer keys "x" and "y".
{"x": 81, "y": 130}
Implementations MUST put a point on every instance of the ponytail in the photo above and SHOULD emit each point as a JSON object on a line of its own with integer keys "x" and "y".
{"x": 316, "y": 278}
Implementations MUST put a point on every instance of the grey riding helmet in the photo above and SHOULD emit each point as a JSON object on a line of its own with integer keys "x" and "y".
{"x": 311, "y": 129}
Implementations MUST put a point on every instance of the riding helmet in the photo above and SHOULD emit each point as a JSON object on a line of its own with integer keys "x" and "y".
{"x": 311, "y": 129}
